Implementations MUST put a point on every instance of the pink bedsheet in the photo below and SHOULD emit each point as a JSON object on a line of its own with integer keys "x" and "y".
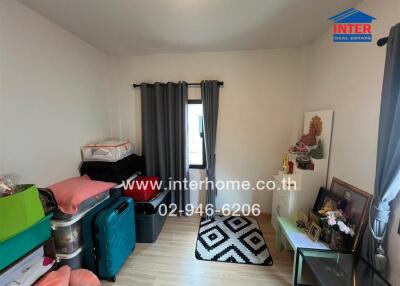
{"x": 71, "y": 193}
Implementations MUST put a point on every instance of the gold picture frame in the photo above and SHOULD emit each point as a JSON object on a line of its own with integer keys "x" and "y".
{"x": 314, "y": 232}
{"x": 359, "y": 209}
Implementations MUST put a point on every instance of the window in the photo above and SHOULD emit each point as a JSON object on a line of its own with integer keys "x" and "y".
{"x": 196, "y": 135}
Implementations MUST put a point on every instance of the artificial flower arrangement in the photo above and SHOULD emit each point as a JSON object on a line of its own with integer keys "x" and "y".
{"x": 337, "y": 218}
{"x": 341, "y": 229}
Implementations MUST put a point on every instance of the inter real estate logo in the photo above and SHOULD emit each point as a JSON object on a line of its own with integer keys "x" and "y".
{"x": 352, "y": 26}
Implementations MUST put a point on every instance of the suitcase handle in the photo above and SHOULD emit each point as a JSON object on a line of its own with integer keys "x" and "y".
{"x": 51, "y": 203}
{"x": 131, "y": 178}
{"x": 123, "y": 206}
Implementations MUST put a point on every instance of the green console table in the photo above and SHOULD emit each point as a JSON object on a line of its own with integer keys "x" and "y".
{"x": 290, "y": 237}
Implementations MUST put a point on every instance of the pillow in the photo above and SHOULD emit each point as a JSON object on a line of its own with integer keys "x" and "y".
{"x": 83, "y": 277}
{"x": 71, "y": 193}
{"x": 56, "y": 278}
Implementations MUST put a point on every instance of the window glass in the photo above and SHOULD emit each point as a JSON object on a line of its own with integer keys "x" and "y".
{"x": 195, "y": 130}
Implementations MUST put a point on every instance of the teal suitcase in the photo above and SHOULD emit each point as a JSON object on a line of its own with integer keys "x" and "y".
{"x": 88, "y": 252}
{"x": 113, "y": 237}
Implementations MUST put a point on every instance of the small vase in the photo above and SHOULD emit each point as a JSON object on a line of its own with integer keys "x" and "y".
{"x": 326, "y": 232}
{"x": 337, "y": 240}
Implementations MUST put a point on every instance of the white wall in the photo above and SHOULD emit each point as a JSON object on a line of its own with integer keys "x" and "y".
{"x": 259, "y": 104}
{"x": 347, "y": 77}
{"x": 53, "y": 96}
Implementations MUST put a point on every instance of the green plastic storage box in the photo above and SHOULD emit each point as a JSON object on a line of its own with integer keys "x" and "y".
{"x": 19, "y": 211}
{"x": 16, "y": 247}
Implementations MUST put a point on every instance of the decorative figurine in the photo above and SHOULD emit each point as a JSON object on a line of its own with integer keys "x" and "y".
{"x": 291, "y": 166}
{"x": 285, "y": 164}
{"x": 317, "y": 152}
{"x": 302, "y": 220}
{"x": 328, "y": 206}
{"x": 303, "y": 161}
{"x": 299, "y": 148}
{"x": 315, "y": 129}
{"x": 309, "y": 146}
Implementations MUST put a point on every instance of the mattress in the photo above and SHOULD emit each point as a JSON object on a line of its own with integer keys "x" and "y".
{"x": 107, "y": 151}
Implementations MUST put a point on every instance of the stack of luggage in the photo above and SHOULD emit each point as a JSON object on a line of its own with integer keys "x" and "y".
{"x": 73, "y": 198}
{"x": 86, "y": 212}
{"x": 114, "y": 161}
{"x": 110, "y": 161}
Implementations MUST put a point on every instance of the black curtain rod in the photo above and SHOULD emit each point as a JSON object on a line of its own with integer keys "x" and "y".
{"x": 382, "y": 41}
{"x": 220, "y": 83}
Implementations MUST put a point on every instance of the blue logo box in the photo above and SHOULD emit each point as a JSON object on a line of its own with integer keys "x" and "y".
{"x": 352, "y": 37}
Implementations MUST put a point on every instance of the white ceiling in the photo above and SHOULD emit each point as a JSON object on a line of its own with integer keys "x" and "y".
{"x": 138, "y": 27}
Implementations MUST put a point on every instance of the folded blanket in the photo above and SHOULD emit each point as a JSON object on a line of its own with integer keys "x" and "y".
{"x": 71, "y": 193}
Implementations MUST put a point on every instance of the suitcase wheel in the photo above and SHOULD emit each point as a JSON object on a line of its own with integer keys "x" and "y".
{"x": 112, "y": 279}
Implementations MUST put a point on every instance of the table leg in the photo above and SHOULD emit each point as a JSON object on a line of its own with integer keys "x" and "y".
{"x": 297, "y": 268}
{"x": 278, "y": 239}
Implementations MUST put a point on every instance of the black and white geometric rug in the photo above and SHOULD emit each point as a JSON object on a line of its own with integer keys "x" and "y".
{"x": 232, "y": 239}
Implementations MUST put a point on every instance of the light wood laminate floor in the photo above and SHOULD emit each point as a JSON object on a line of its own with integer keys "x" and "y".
{"x": 171, "y": 261}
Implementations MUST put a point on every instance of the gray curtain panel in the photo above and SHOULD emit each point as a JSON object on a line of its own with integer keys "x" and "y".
{"x": 164, "y": 136}
{"x": 387, "y": 179}
{"x": 210, "y": 100}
